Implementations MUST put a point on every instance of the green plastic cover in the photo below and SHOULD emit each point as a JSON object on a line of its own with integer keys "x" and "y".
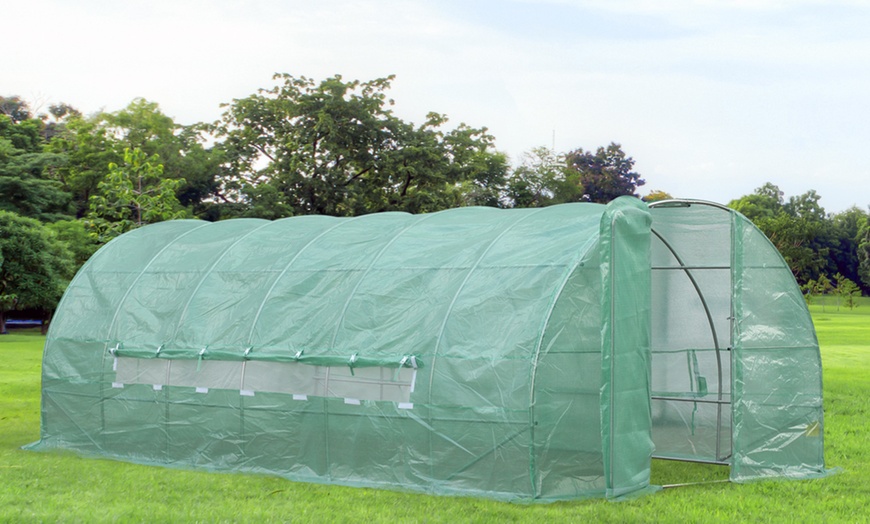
{"x": 625, "y": 349}
{"x": 777, "y": 377}
{"x": 524, "y": 354}
{"x": 737, "y": 375}
{"x": 457, "y": 352}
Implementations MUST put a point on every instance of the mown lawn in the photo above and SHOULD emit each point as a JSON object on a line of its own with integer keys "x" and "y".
{"x": 62, "y": 487}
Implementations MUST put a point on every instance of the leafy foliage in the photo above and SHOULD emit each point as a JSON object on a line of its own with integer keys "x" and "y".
{"x": 133, "y": 194}
{"x": 542, "y": 179}
{"x": 814, "y": 288}
{"x": 91, "y": 144}
{"x": 336, "y": 148}
{"x": 55, "y": 124}
{"x": 26, "y": 184}
{"x": 863, "y": 252}
{"x": 846, "y": 289}
{"x": 796, "y": 228}
{"x": 77, "y": 238}
{"x": 605, "y": 174}
{"x": 844, "y": 240}
{"x": 657, "y": 195}
{"x": 15, "y": 108}
{"x": 764, "y": 203}
{"x": 813, "y": 243}
{"x": 89, "y": 148}
{"x": 142, "y": 125}
{"x": 36, "y": 266}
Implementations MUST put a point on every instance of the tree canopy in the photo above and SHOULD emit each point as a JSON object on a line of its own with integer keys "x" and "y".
{"x": 27, "y": 186}
{"x": 335, "y": 147}
{"x": 863, "y": 252}
{"x": 36, "y": 266}
{"x": 15, "y": 108}
{"x": 543, "y": 178}
{"x": 813, "y": 243}
{"x": 657, "y": 195}
{"x": 606, "y": 174}
{"x": 331, "y": 146}
{"x": 133, "y": 194}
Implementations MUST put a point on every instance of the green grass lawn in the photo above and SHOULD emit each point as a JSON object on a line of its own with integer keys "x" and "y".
{"x": 62, "y": 487}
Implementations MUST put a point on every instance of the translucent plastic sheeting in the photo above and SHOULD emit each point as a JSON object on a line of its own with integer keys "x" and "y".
{"x": 777, "y": 384}
{"x": 736, "y": 366}
{"x": 525, "y": 354}
{"x": 625, "y": 349}
{"x": 455, "y": 352}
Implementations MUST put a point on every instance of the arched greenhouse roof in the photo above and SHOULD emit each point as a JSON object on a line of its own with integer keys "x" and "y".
{"x": 323, "y": 289}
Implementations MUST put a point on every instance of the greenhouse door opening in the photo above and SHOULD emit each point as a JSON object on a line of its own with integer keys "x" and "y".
{"x": 691, "y": 336}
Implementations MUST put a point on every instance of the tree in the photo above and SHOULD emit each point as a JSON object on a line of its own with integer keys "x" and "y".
{"x": 765, "y": 202}
{"x": 808, "y": 290}
{"x": 799, "y": 228}
{"x": 823, "y": 287}
{"x": 606, "y": 174}
{"x": 820, "y": 287}
{"x": 143, "y": 125}
{"x": 806, "y": 206}
{"x": 23, "y": 135}
{"x": 657, "y": 195}
{"x": 793, "y": 238}
{"x": 27, "y": 194}
{"x": 60, "y": 114}
{"x": 36, "y": 267}
{"x": 89, "y": 148}
{"x": 91, "y": 144}
{"x": 15, "y": 108}
{"x": 804, "y": 209}
{"x": 844, "y": 241}
{"x": 335, "y": 148}
{"x": 471, "y": 165}
{"x": 74, "y": 234}
{"x": 542, "y": 179}
{"x": 864, "y": 252}
{"x": 846, "y": 289}
{"x": 133, "y": 194}
{"x": 26, "y": 185}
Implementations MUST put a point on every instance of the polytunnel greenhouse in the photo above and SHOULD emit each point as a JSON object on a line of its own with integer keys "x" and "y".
{"x": 522, "y": 354}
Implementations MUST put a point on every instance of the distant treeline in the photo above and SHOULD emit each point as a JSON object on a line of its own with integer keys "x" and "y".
{"x": 71, "y": 182}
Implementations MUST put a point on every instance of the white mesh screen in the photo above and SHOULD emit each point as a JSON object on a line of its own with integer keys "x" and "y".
{"x": 367, "y": 383}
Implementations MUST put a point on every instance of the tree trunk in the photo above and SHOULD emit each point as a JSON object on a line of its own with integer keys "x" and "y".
{"x": 44, "y": 322}
{"x": 2, "y": 322}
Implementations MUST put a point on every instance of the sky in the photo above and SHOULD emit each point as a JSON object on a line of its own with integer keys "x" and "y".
{"x": 712, "y": 98}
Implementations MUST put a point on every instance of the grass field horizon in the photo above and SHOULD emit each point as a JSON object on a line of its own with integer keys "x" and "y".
{"x": 65, "y": 487}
